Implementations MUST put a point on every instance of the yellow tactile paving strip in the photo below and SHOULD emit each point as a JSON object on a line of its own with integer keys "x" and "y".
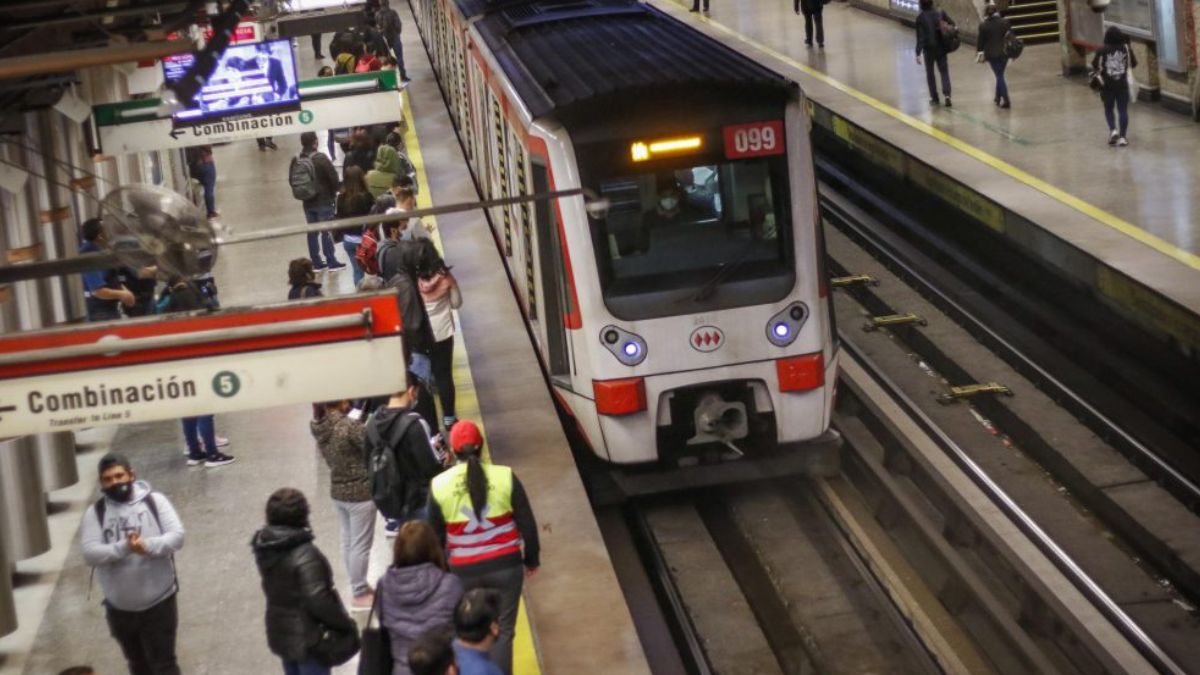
{"x": 525, "y": 659}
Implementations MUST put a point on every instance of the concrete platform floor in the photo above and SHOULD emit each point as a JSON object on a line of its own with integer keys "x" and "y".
{"x": 1054, "y": 131}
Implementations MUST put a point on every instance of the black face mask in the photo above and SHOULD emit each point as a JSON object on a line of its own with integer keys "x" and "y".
{"x": 120, "y": 492}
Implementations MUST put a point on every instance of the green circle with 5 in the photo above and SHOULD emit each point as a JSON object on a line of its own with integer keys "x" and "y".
{"x": 226, "y": 384}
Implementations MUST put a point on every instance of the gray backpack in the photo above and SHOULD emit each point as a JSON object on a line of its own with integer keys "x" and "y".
{"x": 302, "y": 176}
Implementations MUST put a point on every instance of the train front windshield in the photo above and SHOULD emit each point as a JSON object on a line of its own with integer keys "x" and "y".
{"x": 700, "y": 237}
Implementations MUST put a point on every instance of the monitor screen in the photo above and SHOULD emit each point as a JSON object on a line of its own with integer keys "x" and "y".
{"x": 256, "y": 78}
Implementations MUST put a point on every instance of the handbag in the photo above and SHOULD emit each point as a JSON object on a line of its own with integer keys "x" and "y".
{"x": 1095, "y": 80}
{"x": 948, "y": 34}
{"x": 335, "y": 647}
{"x": 376, "y": 655}
{"x": 1013, "y": 46}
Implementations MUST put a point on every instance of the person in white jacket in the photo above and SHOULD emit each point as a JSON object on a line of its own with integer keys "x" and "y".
{"x": 130, "y": 536}
{"x": 439, "y": 291}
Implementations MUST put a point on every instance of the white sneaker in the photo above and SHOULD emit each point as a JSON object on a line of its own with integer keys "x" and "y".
{"x": 1122, "y": 142}
{"x": 1113, "y": 136}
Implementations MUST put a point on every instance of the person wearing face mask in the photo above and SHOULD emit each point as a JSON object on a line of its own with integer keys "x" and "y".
{"x": 130, "y": 536}
{"x": 670, "y": 209}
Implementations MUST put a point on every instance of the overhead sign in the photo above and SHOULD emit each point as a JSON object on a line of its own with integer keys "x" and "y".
{"x": 166, "y": 368}
{"x": 325, "y": 103}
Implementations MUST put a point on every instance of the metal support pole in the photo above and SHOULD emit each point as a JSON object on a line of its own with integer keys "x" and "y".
{"x": 39, "y": 303}
{"x": 8, "y": 605}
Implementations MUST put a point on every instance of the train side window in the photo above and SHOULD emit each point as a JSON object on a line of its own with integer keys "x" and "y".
{"x": 555, "y": 297}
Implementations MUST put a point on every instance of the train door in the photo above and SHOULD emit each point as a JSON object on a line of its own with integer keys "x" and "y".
{"x": 554, "y": 288}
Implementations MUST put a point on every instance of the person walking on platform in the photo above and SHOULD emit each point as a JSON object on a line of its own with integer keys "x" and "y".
{"x": 1112, "y": 63}
{"x": 314, "y": 182}
{"x": 102, "y": 289}
{"x": 478, "y": 630}
{"x": 433, "y": 653}
{"x": 400, "y": 265}
{"x": 417, "y": 592}
{"x": 930, "y": 42}
{"x": 993, "y": 39}
{"x": 199, "y": 432}
{"x": 130, "y": 537}
{"x": 481, "y": 513}
{"x": 439, "y": 291}
{"x": 343, "y": 443}
{"x": 400, "y": 430}
{"x": 308, "y": 628}
{"x": 388, "y": 21}
{"x": 812, "y": 10}
{"x": 354, "y": 200}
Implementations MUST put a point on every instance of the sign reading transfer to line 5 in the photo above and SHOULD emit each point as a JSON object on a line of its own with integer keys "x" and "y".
{"x": 219, "y": 363}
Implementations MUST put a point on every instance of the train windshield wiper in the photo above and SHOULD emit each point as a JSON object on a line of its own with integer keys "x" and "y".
{"x": 710, "y": 286}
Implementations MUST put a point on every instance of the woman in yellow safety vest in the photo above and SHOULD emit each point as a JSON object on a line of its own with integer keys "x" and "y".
{"x": 483, "y": 518}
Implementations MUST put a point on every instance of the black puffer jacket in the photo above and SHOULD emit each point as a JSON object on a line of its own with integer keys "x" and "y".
{"x": 301, "y": 598}
{"x": 400, "y": 262}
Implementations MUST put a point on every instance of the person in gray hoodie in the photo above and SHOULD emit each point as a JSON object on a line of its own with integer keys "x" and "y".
{"x": 418, "y": 592}
{"x": 130, "y": 537}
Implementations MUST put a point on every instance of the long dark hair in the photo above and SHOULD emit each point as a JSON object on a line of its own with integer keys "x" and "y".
{"x": 354, "y": 185}
{"x": 477, "y": 482}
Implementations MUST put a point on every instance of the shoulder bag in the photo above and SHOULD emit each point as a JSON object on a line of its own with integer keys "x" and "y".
{"x": 376, "y": 655}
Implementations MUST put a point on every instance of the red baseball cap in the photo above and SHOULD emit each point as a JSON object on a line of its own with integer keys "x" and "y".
{"x": 464, "y": 433}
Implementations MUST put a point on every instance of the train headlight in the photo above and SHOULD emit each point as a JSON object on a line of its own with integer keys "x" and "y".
{"x": 784, "y": 327}
{"x": 629, "y": 348}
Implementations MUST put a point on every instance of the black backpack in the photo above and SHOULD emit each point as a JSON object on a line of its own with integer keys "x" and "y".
{"x": 948, "y": 34}
{"x": 387, "y": 483}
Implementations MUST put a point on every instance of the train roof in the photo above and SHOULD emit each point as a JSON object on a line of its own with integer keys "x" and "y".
{"x": 567, "y": 55}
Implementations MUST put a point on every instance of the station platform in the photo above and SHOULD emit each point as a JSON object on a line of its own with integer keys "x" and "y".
{"x": 1119, "y": 221}
{"x": 574, "y": 615}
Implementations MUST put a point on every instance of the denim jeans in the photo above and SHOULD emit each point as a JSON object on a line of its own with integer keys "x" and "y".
{"x": 207, "y": 175}
{"x": 508, "y": 582}
{"x": 310, "y": 667}
{"x": 357, "y": 520}
{"x": 1119, "y": 99}
{"x": 351, "y": 248}
{"x": 197, "y": 429}
{"x": 998, "y": 65}
{"x": 320, "y": 214}
{"x": 943, "y": 69}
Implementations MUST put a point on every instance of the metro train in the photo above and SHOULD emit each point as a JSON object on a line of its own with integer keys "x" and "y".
{"x": 690, "y": 319}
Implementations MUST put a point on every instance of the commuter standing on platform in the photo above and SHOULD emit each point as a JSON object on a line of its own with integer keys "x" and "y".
{"x": 440, "y": 292}
{"x": 388, "y": 21}
{"x": 1113, "y": 62}
{"x": 343, "y": 443}
{"x": 477, "y": 625}
{"x": 307, "y": 626}
{"x": 203, "y": 444}
{"x": 202, "y": 167}
{"x": 314, "y": 181}
{"x": 931, "y": 43}
{"x": 696, "y": 6}
{"x": 102, "y": 289}
{"x": 417, "y": 592}
{"x": 993, "y": 39}
{"x": 433, "y": 653}
{"x": 481, "y": 512}
{"x": 130, "y": 537}
{"x": 354, "y": 200}
{"x": 387, "y": 167}
{"x": 400, "y": 430}
{"x": 812, "y": 10}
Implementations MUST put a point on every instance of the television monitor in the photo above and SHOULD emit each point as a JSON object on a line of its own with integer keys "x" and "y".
{"x": 255, "y": 78}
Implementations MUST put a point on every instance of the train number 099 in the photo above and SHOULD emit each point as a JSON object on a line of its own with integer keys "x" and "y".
{"x": 754, "y": 140}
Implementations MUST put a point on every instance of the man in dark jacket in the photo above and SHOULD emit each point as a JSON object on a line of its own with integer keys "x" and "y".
{"x": 307, "y": 625}
{"x": 993, "y": 38}
{"x": 813, "y": 16}
{"x": 400, "y": 264}
{"x": 389, "y": 25}
{"x": 401, "y": 427}
{"x": 320, "y": 207}
{"x": 929, "y": 42}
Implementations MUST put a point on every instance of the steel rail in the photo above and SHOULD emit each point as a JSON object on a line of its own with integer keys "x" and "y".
{"x": 1067, "y": 565}
{"x": 1184, "y": 484}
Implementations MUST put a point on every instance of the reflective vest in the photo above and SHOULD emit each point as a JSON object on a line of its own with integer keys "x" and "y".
{"x": 470, "y": 538}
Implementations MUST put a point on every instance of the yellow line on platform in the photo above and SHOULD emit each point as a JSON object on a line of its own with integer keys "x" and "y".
{"x": 1090, "y": 210}
{"x": 466, "y": 403}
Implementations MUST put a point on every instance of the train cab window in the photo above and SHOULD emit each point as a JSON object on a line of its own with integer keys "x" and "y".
{"x": 713, "y": 235}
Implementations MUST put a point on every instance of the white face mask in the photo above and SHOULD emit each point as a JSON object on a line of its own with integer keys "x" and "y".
{"x": 668, "y": 203}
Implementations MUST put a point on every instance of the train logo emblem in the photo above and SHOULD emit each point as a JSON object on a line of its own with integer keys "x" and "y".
{"x": 707, "y": 339}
